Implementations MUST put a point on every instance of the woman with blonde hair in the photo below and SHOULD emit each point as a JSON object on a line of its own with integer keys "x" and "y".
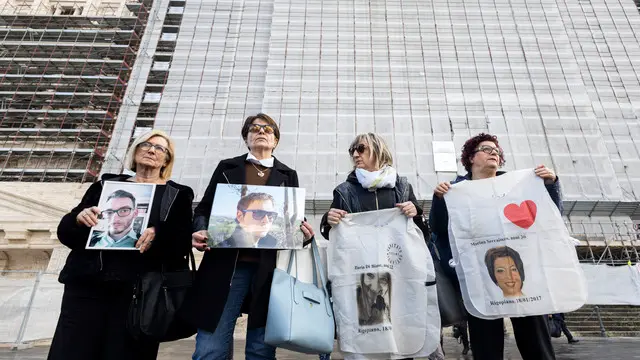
{"x": 372, "y": 185}
{"x": 99, "y": 283}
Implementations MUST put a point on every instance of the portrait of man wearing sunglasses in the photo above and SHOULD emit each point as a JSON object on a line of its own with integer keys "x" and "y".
{"x": 120, "y": 213}
{"x": 255, "y": 215}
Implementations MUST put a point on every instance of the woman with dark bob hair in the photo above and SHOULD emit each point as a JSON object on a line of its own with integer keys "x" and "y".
{"x": 232, "y": 281}
{"x": 506, "y": 270}
{"x": 482, "y": 156}
{"x": 98, "y": 284}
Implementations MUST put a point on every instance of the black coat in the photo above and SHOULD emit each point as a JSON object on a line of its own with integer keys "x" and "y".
{"x": 213, "y": 279}
{"x": 170, "y": 247}
{"x": 350, "y": 196}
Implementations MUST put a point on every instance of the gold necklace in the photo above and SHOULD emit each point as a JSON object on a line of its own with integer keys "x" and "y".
{"x": 260, "y": 172}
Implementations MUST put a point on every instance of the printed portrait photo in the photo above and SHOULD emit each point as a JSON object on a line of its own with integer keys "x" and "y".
{"x": 373, "y": 295}
{"x": 506, "y": 270}
{"x": 124, "y": 214}
{"x": 265, "y": 217}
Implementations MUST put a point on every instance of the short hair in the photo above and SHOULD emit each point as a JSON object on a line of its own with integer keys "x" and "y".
{"x": 377, "y": 146}
{"x": 121, "y": 194}
{"x": 165, "y": 171}
{"x": 470, "y": 146}
{"x": 249, "y": 121}
{"x": 502, "y": 251}
{"x": 244, "y": 202}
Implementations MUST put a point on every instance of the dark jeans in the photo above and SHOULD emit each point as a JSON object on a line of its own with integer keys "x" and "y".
{"x": 565, "y": 330}
{"x": 531, "y": 333}
{"x": 92, "y": 325}
{"x": 216, "y": 345}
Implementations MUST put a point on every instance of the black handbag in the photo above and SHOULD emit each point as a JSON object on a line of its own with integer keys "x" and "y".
{"x": 157, "y": 298}
{"x": 450, "y": 303}
{"x": 555, "y": 328}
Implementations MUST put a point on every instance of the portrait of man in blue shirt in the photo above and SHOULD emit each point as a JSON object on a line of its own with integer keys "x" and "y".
{"x": 120, "y": 212}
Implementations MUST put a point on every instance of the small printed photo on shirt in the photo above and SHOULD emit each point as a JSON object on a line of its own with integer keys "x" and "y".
{"x": 124, "y": 214}
{"x": 373, "y": 297}
{"x": 260, "y": 217}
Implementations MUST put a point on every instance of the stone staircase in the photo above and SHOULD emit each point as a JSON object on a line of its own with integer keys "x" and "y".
{"x": 618, "y": 320}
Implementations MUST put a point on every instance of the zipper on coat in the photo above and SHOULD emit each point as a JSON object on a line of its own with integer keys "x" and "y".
{"x": 100, "y": 260}
{"x": 376, "y": 194}
{"x": 234, "y": 268}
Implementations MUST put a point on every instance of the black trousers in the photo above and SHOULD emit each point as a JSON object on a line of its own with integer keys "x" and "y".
{"x": 531, "y": 332}
{"x": 92, "y": 325}
{"x": 464, "y": 337}
{"x": 565, "y": 330}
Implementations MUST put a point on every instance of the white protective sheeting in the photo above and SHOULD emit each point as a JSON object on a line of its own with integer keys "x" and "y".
{"x": 383, "y": 282}
{"x": 612, "y": 285}
{"x": 513, "y": 252}
{"x": 15, "y": 294}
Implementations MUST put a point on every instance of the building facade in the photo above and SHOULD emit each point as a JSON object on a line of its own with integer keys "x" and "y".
{"x": 557, "y": 81}
{"x": 64, "y": 70}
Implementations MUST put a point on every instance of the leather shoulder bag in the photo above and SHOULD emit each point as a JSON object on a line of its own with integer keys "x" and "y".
{"x": 157, "y": 298}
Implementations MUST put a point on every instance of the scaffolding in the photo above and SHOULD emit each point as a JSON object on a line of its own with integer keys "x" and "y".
{"x": 64, "y": 70}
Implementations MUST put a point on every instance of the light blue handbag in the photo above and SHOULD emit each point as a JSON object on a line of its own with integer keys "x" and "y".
{"x": 300, "y": 316}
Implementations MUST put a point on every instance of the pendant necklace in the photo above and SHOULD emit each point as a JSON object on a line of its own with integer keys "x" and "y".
{"x": 260, "y": 173}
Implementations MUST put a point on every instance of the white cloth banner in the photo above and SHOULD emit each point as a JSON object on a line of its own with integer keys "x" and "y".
{"x": 514, "y": 256}
{"x": 612, "y": 285}
{"x": 383, "y": 282}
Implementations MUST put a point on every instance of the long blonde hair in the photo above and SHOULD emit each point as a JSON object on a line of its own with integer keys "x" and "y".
{"x": 378, "y": 149}
{"x": 165, "y": 171}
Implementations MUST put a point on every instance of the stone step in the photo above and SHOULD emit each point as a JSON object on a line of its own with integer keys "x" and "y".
{"x": 610, "y": 334}
{"x": 619, "y": 320}
{"x": 590, "y": 327}
{"x": 604, "y": 320}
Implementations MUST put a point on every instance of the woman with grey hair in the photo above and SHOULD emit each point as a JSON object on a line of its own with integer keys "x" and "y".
{"x": 372, "y": 185}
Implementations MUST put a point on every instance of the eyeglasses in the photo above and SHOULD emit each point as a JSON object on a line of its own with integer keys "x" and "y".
{"x": 360, "y": 148}
{"x": 260, "y": 214}
{"x": 147, "y": 145}
{"x": 122, "y": 212}
{"x": 255, "y": 128}
{"x": 490, "y": 150}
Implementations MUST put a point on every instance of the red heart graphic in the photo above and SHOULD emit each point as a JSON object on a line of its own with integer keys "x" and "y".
{"x": 524, "y": 215}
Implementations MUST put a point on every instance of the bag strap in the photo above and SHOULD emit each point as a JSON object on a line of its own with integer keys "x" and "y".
{"x": 317, "y": 265}
{"x": 294, "y": 255}
{"x": 318, "y": 262}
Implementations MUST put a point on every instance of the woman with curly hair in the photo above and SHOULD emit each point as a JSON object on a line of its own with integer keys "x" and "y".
{"x": 482, "y": 156}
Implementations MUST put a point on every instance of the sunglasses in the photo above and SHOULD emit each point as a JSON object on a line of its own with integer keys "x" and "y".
{"x": 260, "y": 214}
{"x": 360, "y": 148}
{"x": 490, "y": 150}
{"x": 122, "y": 212}
{"x": 255, "y": 128}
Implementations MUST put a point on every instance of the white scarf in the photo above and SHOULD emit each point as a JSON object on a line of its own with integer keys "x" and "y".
{"x": 373, "y": 180}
